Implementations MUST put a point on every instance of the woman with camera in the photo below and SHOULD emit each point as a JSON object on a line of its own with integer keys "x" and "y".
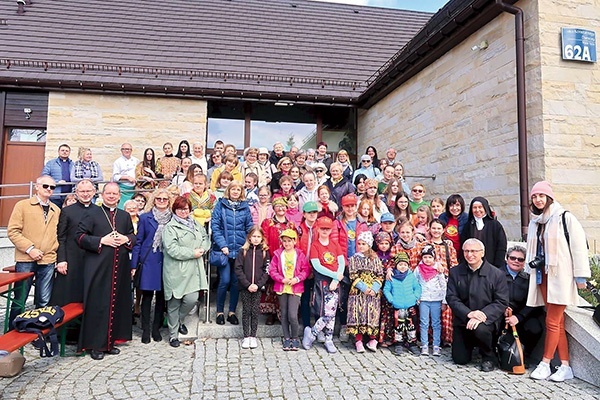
{"x": 557, "y": 256}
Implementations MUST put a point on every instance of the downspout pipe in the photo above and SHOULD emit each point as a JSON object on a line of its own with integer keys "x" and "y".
{"x": 521, "y": 112}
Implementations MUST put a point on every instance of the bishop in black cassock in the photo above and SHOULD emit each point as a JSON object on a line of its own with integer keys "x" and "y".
{"x": 106, "y": 233}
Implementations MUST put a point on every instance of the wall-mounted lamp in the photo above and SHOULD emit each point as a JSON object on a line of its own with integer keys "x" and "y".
{"x": 481, "y": 46}
{"x": 27, "y": 112}
{"x": 282, "y": 104}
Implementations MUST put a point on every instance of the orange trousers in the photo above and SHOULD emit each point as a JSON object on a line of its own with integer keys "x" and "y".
{"x": 556, "y": 337}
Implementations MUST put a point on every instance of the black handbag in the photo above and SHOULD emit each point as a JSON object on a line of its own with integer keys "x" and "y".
{"x": 137, "y": 276}
{"x": 596, "y": 309}
{"x": 510, "y": 351}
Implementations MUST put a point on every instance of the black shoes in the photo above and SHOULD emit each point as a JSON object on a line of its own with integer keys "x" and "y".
{"x": 487, "y": 366}
{"x": 156, "y": 336}
{"x": 183, "y": 329}
{"x": 174, "y": 342}
{"x": 145, "y": 337}
{"x": 270, "y": 319}
{"x": 233, "y": 320}
{"x": 220, "y": 319}
{"x": 96, "y": 355}
{"x": 113, "y": 351}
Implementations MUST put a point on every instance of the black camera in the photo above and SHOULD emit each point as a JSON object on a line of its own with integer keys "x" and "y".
{"x": 537, "y": 262}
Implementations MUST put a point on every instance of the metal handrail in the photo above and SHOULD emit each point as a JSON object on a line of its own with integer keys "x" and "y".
{"x": 31, "y": 185}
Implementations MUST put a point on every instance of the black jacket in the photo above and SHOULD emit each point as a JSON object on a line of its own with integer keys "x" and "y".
{"x": 487, "y": 292}
{"x": 492, "y": 235}
{"x": 517, "y": 294}
{"x": 243, "y": 267}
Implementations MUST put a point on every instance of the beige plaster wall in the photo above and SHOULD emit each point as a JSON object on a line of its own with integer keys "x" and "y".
{"x": 457, "y": 119}
{"x": 103, "y": 122}
{"x": 571, "y": 110}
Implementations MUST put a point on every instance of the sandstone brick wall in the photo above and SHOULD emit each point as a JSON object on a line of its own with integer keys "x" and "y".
{"x": 457, "y": 118}
{"x": 104, "y": 122}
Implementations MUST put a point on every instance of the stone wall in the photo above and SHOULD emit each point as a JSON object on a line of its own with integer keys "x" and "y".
{"x": 104, "y": 122}
{"x": 457, "y": 118}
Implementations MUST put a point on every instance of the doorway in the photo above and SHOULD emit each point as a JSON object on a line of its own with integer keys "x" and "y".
{"x": 23, "y": 161}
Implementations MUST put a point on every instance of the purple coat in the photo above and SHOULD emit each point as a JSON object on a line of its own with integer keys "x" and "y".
{"x": 151, "y": 278}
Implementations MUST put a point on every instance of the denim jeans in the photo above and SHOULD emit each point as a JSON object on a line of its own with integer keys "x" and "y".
{"x": 44, "y": 275}
{"x": 433, "y": 308}
{"x": 227, "y": 280}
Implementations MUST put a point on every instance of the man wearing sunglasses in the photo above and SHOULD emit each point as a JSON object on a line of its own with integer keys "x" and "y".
{"x": 32, "y": 229}
{"x": 528, "y": 320}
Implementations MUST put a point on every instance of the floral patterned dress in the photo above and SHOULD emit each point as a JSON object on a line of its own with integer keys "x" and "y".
{"x": 167, "y": 167}
{"x": 364, "y": 310}
{"x": 445, "y": 254}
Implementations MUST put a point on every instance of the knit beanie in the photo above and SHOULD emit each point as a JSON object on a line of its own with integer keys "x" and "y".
{"x": 542, "y": 187}
{"x": 401, "y": 257}
{"x": 428, "y": 250}
{"x": 366, "y": 237}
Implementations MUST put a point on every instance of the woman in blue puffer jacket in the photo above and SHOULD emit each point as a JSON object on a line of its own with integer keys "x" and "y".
{"x": 231, "y": 221}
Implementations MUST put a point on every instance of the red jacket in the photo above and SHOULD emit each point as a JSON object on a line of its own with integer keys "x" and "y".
{"x": 272, "y": 230}
{"x": 301, "y": 271}
{"x": 339, "y": 234}
{"x": 304, "y": 232}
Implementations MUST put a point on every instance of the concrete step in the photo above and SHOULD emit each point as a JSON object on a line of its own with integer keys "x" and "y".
{"x": 205, "y": 329}
{"x": 584, "y": 344}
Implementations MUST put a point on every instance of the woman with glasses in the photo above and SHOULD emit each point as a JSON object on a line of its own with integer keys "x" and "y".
{"x": 283, "y": 169}
{"x": 184, "y": 242}
{"x": 148, "y": 254}
{"x": 483, "y": 225}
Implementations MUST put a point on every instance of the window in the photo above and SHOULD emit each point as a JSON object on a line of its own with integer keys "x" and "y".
{"x": 265, "y": 134}
{"x": 27, "y": 135}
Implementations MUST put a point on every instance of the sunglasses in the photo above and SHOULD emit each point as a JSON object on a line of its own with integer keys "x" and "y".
{"x": 47, "y": 186}
{"x": 319, "y": 170}
{"x": 513, "y": 258}
{"x": 418, "y": 190}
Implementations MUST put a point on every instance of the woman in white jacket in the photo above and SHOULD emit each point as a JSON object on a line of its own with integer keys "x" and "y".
{"x": 558, "y": 259}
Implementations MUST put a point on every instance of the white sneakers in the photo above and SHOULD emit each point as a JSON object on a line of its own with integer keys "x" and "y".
{"x": 246, "y": 343}
{"x": 563, "y": 372}
{"x": 543, "y": 372}
{"x": 249, "y": 343}
{"x": 253, "y": 343}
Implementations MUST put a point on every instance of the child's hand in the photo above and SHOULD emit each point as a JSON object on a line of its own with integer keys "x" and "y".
{"x": 253, "y": 288}
{"x": 287, "y": 281}
{"x": 388, "y": 275}
{"x": 340, "y": 276}
{"x": 333, "y": 285}
{"x": 444, "y": 307}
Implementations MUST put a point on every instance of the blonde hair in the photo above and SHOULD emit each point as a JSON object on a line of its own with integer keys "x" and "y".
{"x": 263, "y": 243}
{"x": 235, "y": 184}
{"x": 82, "y": 151}
{"x": 153, "y": 195}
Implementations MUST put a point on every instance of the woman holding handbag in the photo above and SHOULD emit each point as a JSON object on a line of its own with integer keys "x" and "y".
{"x": 147, "y": 259}
{"x": 557, "y": 257}
{"x": 231, "y": 222}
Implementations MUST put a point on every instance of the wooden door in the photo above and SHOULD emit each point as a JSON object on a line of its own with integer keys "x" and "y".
{"x": 22, "y": 162}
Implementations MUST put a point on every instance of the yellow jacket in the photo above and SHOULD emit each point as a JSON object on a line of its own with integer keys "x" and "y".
{"x": 26, "y": 228}
{"x": 237, "y": 176}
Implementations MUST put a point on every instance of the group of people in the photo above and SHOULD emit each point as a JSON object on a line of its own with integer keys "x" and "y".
{"x": 305, "y": 239}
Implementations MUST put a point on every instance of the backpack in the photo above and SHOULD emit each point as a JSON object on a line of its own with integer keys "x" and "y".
{"x": 35, "y": 321}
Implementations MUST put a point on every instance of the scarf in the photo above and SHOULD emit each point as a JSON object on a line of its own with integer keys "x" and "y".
{"x": 400, "y": 275}
{"x": 234, "y": 204}
{"x": 80, "y": 167}
{"x": 162, "y": 217}
{"x": 426, "y": 271}
{"x": 203, "y": 201}
{"x": 550, "y": 219}
{"x": 188, "y": 222}
{"x": 345, "y": 165}
{"x": 384, "y": 257}
{"x": 409, "y": 245}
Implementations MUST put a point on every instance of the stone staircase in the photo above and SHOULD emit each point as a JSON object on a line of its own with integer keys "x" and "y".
{"x": 584, "y": 343}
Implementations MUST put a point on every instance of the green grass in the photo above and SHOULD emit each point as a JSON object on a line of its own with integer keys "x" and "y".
{"x": 595, "y": 266}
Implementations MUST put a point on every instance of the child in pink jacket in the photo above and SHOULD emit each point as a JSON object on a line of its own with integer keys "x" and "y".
{"x": 289, "y": 268}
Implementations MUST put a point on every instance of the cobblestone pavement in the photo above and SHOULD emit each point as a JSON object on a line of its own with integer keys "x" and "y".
{"x": 220, "y": 369}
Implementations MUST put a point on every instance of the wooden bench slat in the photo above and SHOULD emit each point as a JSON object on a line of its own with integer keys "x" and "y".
{"x": 13, "y": 340}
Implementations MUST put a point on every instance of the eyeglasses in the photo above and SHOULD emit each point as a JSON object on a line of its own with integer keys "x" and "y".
{"x": 125, "y": 149}
{"x": 162, "y": 199}
{"x": 286, "y": 163}
{"x": 513, "y": 258}
{"x": 418, "y": 190}
{"x": 47, "y": 186}
{"x": 183, "y": 209}
{"x": 472, "y": 251}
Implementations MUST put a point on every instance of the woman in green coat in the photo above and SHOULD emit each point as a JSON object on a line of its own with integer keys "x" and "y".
{"x": 184, "y": 243}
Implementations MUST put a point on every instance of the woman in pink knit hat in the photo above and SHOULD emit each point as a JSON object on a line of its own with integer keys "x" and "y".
{"x": 557, "y": 256}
